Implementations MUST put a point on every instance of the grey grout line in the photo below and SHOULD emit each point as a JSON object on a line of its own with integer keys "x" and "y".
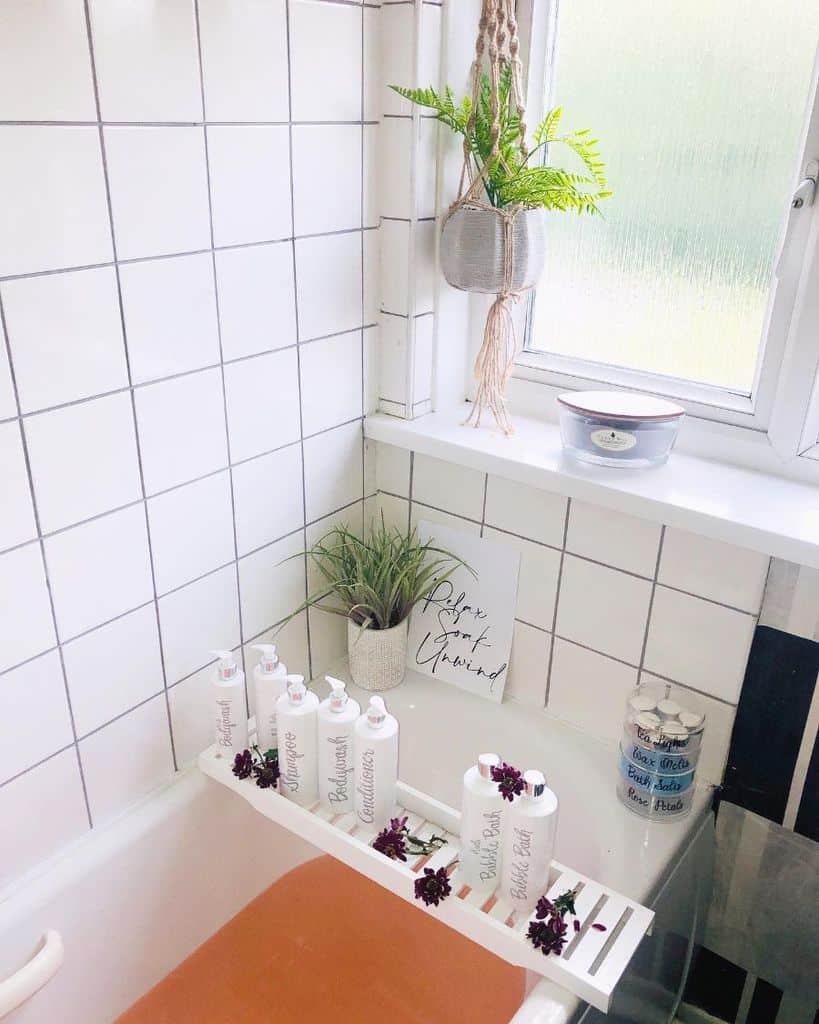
{"x": 557, "y": 602}
{"x": 409, "y": 498}
{"x": 644, "y": 645}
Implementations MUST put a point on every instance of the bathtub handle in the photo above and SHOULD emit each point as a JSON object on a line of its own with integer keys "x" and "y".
{"x": 41, "y": 968}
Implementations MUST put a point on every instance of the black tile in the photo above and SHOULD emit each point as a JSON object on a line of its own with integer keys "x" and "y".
{"x": 770, "y": 720}
{"x": 764, "y": 1003}
{"x": 715, "y": 985}
{"x": 807, "y": 820}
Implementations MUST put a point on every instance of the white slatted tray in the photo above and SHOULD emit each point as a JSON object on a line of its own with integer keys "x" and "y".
{"x": 592, "y": 961}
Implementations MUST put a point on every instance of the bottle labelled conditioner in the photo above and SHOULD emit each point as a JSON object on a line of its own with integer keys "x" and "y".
{"x": 376, "y": 765}
{"x": 531, "y": 827}
{"x": 482, "y": 819}
{"x": 296, "y": 726}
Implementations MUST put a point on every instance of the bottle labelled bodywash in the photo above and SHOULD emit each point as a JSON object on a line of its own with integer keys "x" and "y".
{"x": 337, "y": 716}
{"x": 231, "y": 710}
{"x": 269, "y": 683}
{"x": 376, "y": 765}
{"x": 531, "y": 827}
{"x": 296, "y": 723}
{"x": 482, "y": 821}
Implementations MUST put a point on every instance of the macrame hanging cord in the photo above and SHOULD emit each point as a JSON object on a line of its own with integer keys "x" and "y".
{"x": 497, "y": 37}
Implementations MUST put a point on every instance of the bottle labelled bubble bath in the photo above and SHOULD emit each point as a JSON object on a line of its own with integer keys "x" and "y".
{"x": 230, "y": 706}
{"x": 296, "y": 724}
{"x": 337, "y": 716}
{"x": 482, "y": 820}
{"x": 529, "y": 842}
{"x": 376, "y": 765}
{"x": 269, "y": 683}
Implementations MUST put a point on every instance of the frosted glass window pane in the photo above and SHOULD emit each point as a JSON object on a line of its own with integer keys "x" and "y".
{"x": 699, "y": 108}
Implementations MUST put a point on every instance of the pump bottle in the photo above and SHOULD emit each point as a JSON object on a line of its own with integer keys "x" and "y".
{"x": 531, "y": 827}
{"x": 482, "y": 823}
{"x": 230, "y": 708}
{"x": 296, "y": 723}
{"x": 337, "y": 716}
{"x": 269, "y": 683}
{"x": 376, "y": 765}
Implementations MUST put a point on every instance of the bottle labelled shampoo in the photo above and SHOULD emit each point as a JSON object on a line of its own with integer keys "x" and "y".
{"x": 296, "y": 723}
{"x": 482, "y": 821}
{"x": 231, "y": 710}
{"x": 337, "y": 716}
{"x": 269, "y": 683}
{"x": 531, "y": 826}
{"x": 376, "y": 765}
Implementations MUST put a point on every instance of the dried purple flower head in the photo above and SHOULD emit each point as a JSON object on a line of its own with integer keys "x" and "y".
{"x": 509, "y": 780}
{"x": 576, "y": 924}
{"x": 243, "y": 765}
{"x": 548, "y": 936}
{"x": 266, "y": 769}
{"x": 599, "y": 927}
{"x": 432, "y": 886}
{"x": 392, "y": 841}
{"x": 545, "y": 908}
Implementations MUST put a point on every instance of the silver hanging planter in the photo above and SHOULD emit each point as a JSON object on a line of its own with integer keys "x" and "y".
{"x": 472, "y": 249}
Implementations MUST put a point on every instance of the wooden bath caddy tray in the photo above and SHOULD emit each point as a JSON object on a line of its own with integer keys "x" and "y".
{"x": 592, "y": 961}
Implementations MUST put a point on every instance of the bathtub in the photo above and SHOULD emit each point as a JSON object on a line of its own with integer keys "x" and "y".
{"x": 135, "y": 898}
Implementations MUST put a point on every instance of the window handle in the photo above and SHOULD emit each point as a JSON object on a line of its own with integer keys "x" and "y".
{"x": 803, "y": 196}
{"x": 806, "y": 189}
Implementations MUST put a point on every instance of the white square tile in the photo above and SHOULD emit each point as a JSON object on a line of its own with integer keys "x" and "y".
{"x": 372, "y": 64}
{"x": 698, "y": 643}
{"x": 170, "y": 316}
{"x": 191, "y": 531}
{"x": 371, "y": 211}
{"x": 394, "y": 510}
{"x": 397, "y": 58}
{"x": 372, "y": 367}
{"x": 47, "y": 807}
{"x": 26, "y": 626}
{"x": 395, "y": 157}
{"x": 447, "y": 486}
{"x": 392, "y": 384}
{"x": 181, "y": 429}
{"x": 425, "y": 514}
{"x": 528, "y": 666}
{"x": 269, "y": 498}
{"x": 65, "y": 334}
{"x": 333, "y": 470}
{"x": 257, "y": 299}
{"x": 423, "y": 328}
{"x": 159, "y": 190}
{"x": 392, "y": 471}
{"x": 709, "y": 568}
{"x": 317, "y": 208}
{"x": 83, "y": 460}
{"x": 394, "y": 241}
{"x": 589, "y": 690}
{"x": 370, "y": 485}
{"x": 271, "y": 583}
{"x": 372, "y": 271}
{"x": 199, "y": 618}
{"x": 603, "y": 609}
{"x": 430, "y": 45}
{"x": 328, "y": 641}
{"x": 34, "y": 701}
{"x": 425, "y": 269}
{"x": 17, "y": 523}
{"x": 55, "y": 214}
{"x": 427, "y": 166}
{"x": 45, "y": 67}
{"x": 147, "y": 61}
{"x": 244, "y": 59}
{"x": 249, "y": 183}
{"x": 528, "y": 511}
{"x": 191, "y": 717}
{"x": 613, "y": 538}
{"x": 145, "y": 734}
{"x": 326, "y": 36}
{"x": 8, "y": 404}
{"x": 330, "y": 381}
{"x": 328, "y": 275}
{"x": 262, "y": 403}
{"x": 113, "y": 668}
{"x": 99, "y": 570}
{"x": 716, "y": 740}
{"x": 537, "y": 579}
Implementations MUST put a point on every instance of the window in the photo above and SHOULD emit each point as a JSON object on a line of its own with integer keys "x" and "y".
{"x": 700, "y": 109}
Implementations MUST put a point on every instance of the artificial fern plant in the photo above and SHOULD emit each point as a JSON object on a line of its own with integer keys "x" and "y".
{"x": 512, "y": 177}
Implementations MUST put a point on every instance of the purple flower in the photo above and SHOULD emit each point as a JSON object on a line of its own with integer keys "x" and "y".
{"x": 432, "y": 886}
{"x": 545, "y": 908}
{"x": 266, "y": 770}
{"x": 599, "y": 927}
{"x": 576, "y": 924}
{"x": 243, "y": 765}
{"x": 548, "y": 936}
{"x": 392, "y": 841}
{"x": 509, "y": 780}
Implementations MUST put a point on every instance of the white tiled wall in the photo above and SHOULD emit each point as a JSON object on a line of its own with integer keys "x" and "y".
{"x": 603, "y": 600}
{"x": 186, "y": 353}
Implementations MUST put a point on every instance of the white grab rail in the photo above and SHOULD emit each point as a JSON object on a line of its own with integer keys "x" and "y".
{"x": 41, "y": 968}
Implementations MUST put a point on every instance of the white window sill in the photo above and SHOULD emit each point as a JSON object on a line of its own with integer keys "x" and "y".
{"x": 740, "y": 506}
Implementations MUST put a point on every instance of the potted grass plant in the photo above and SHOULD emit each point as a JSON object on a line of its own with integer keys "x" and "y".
{"x": 374, "y": 583}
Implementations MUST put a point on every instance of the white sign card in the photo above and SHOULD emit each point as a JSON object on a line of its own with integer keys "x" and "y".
{"x": 461, "y": 632}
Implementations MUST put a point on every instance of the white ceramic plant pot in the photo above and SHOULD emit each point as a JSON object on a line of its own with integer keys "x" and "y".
{"x": 378, "y": 657}
{"x": 472, "y": 250}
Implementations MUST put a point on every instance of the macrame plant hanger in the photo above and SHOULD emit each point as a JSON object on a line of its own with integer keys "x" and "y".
{"x": 497, "y": 38}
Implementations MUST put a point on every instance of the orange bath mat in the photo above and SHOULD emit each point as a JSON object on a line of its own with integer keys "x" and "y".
{"x": 326, "y": 944}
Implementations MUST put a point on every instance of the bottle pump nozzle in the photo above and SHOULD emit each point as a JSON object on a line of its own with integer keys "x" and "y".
{"x": 376, "y": 712}
{"x": 534, "y": 783}
{"x": 296, "y": 690}
{"x": 227, "y": 665}
{"x": 269, "y": 659}
{"x": 338, "y": 693}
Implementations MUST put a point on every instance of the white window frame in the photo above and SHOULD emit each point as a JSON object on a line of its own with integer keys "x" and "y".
{"x": 777, "y": 428}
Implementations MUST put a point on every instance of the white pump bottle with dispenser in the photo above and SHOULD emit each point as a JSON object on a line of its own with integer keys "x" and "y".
{"x": 296, "y": 723}
{"x": 376, "y": 765}
{"x": 269, "y": 683}
{"x": 230, "y": 708}
{"x": 531, "y": 827}
{"x": 482, "y": 823}
{"x": 337, "y": 716}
